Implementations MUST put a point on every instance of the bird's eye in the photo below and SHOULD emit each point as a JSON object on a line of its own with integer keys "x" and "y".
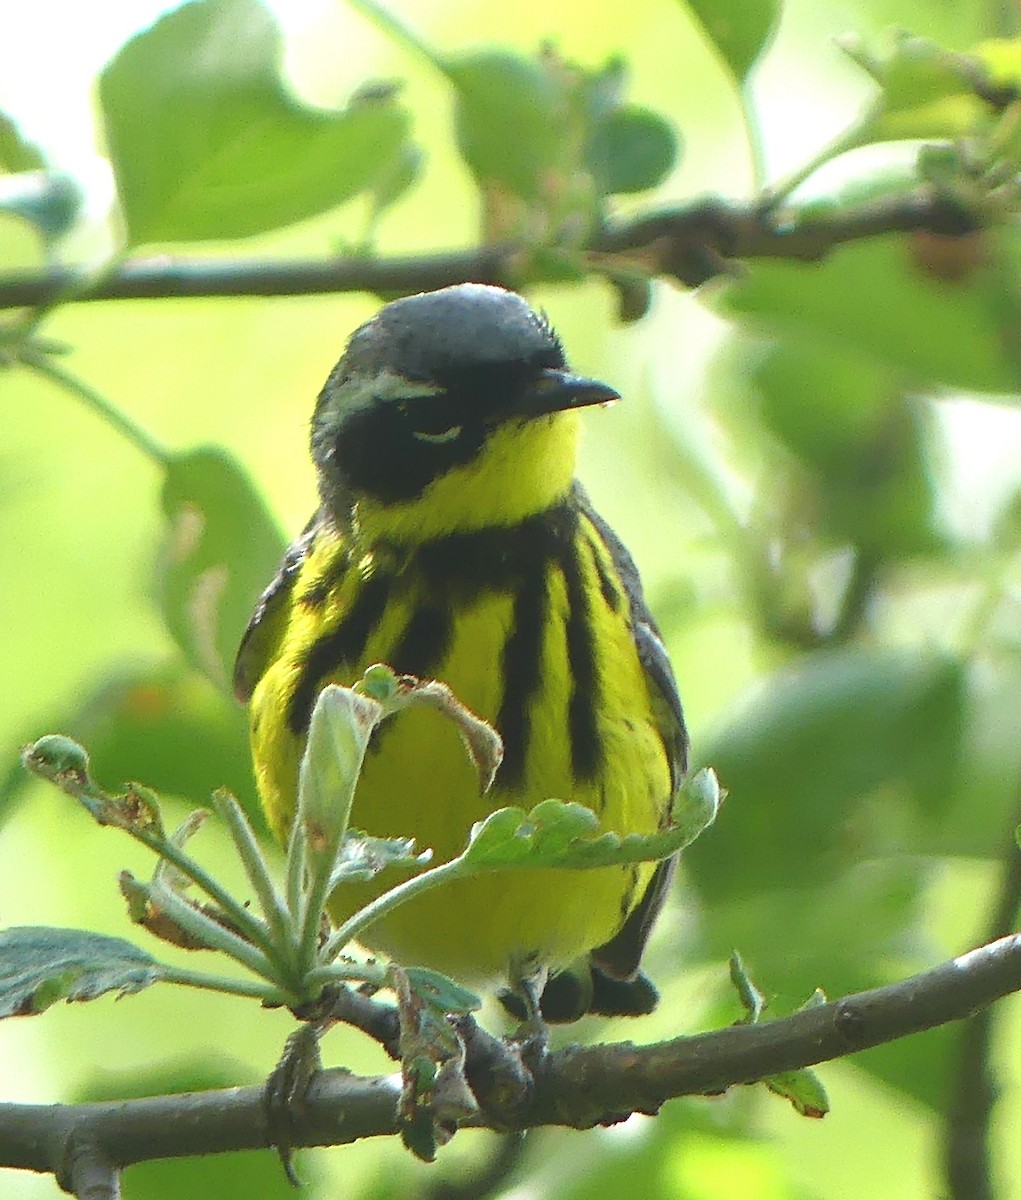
{"x": 438, "y": 437}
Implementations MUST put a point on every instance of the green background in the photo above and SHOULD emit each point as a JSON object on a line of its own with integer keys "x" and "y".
{"x": 786, "y": 416}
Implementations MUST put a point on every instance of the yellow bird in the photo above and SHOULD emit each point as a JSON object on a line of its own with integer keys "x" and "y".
{"x": 452, "y": 541}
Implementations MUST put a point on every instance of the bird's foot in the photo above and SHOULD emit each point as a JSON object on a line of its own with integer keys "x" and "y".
{"x": 287, "y": 1087}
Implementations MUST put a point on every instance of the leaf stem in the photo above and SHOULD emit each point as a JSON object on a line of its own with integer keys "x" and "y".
{"x": 223, "y": 983}
{"x": 246, "y": 922}
{"x": 212, "y": 934}
{"x": 139, "y": 437}
{"x": 396, "y": 29}
{"x": 270, "y": 901}
{"x": 392, "y": 899}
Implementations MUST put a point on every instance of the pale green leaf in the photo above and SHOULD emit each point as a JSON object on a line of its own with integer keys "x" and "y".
{"x": 39, "y": 966}
{"x": 206, "y": 141}
{"x": 342, "y": 723}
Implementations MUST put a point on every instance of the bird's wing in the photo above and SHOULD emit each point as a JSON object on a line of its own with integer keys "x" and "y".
{"x": 620, "y": 957}
{"x": 651, "y": 651}
{"x": 259, "y": 637}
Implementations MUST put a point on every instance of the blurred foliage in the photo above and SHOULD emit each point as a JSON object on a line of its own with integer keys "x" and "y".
{"x": 834, "y": 548}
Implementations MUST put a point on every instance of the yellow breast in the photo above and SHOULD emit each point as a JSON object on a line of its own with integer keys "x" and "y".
{"x": 418, "y": 782}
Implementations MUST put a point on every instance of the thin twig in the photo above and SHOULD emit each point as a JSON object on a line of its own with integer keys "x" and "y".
{"x": 690, "y": 244}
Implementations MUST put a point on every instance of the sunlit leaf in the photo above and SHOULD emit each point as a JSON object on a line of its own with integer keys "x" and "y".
{"x": 739, "y": 29}
{"x": 206, "y": 141}
{"x": 16, "y": 152}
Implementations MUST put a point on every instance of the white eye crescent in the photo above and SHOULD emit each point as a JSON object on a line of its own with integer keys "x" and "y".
{"x": 438, "y": 439}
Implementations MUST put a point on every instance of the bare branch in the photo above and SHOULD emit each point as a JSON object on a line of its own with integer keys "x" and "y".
{"x": 583, "y": 1085}
{"x": 689, "y": 244}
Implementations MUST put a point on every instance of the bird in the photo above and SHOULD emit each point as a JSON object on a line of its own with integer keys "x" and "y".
{"x": 452, "y": 541}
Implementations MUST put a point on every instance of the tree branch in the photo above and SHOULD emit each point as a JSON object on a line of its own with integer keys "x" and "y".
{"x": 582, "y": 1086}
{"x": 690, "y": 244}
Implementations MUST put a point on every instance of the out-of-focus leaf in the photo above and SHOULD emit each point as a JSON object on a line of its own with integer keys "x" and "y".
{"x": 392, "y": 185}
{"x": 871, "y": 298}
{"x": 206, "y": 142}
{"x": 163, "y": 723}
{"x": 832, "y": 934}
{"x": 631, "y": 150}
{"x": 806, "y": 752}
{"x": 927, "y": 91}
{"x": 50, "y": 200}
{"x": 39, "y": 966}
{"x": 510, "y": 118}
{"x": 920, "y": 1066}
{"x": 739, "y": 29}
{"x": 17, "y": 154}
{"x": 868, "y": 448}
{"x": 222, "y": 549}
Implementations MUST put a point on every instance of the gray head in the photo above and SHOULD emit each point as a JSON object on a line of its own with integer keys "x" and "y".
{"x": 422, "y": 385}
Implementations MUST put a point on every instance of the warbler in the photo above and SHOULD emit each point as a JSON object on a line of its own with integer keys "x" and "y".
{"x": 453, "y": 542}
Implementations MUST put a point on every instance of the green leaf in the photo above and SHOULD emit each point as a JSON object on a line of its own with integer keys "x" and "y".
{"x": 845, "y": 932}
{"x": 338, "y": 736}
{"x": 557, "y": 833}
{"x": 510, "y": 118}
{"x": 927, "y": 91}
{"x": 803, "y": 1089}
{"x": 876, "y": 298}
{"x": 206, "y": 141}
{"x": 39, "y": 966}
{"x": 868, "y": 454}
{"x": 391, "y": 185}
{"x": 16, "y": 153}
{"x": 443, "y": 995}
{"x": 630, "y": 150}
{"x": 807, "y": 754}
{"x": 161, "y": 722}
{"x": 739, "y": 29}
{"x": 221, "y": 547}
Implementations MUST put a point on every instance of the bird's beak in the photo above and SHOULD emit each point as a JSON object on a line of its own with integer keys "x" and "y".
{"x": 556, "y": 391}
